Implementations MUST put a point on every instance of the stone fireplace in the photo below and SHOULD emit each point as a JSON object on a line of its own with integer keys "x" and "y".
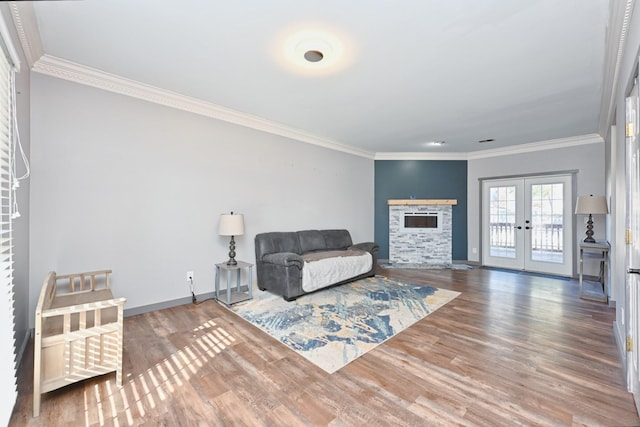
{"x": 420, "y": 232}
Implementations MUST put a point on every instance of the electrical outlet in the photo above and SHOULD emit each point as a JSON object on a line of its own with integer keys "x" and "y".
{"x": 189, "y": 276}
{"x": 474, "y": 250}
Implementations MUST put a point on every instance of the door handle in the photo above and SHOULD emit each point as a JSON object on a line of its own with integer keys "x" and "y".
{"x": 518, "y": 227}
{"x": 633, "y": 270}
{"x": 528, "y": 228}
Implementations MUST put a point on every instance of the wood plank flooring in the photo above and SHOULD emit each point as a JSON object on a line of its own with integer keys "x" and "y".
{"x": 513, "y": 349}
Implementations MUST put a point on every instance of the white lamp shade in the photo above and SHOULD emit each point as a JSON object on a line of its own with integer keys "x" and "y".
{"x": 591, "y": 205}
{"x": 231, "y": 225}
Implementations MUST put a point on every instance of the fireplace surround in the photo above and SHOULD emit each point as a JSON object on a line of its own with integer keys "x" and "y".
{"x": 420, "y": 232}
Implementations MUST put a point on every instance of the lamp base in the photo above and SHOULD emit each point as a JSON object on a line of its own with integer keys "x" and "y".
{"x": 589, "y": 238}
{"x": 232, "y": 252}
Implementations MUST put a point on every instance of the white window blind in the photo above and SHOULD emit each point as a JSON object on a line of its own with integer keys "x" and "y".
{"x": 8, "y": 388}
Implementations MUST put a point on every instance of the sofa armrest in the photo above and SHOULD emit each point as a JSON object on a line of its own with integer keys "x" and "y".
{"x": 286, "y": 259}
{"x": 371, "y": 247}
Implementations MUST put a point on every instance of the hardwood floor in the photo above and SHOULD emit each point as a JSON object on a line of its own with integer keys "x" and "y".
{"x": 513, "y": 349}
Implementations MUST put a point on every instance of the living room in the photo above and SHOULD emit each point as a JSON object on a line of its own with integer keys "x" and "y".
{"x": 122, "y": 180}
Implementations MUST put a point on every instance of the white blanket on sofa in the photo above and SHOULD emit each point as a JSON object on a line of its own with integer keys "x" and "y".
{"x": 322, "y": 269}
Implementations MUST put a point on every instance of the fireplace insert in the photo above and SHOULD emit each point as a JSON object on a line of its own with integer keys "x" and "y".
{"x": 421, "y": 222}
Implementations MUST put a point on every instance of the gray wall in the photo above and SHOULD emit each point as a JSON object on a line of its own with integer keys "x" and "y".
{"x": 136, "y": 187}
{"x": 587, "y": 159}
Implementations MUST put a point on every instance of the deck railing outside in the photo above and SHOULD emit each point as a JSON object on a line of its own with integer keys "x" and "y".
{"x": 544, "y": 237}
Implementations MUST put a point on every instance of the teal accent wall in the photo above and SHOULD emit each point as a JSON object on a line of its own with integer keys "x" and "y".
{"x": 422, "y": 179}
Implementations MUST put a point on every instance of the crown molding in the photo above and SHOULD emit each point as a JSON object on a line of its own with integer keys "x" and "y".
{"x": 71, "y": 71}
{"x": 619, "y": 17}
{"x": 8, "y": 44}
{"x": 420, "y": 156}
{"x": 26, "y": 25}
{"x": 551, "y": 144}
{"x": 77, "y": 73}
{"x": 496, "y": 152}
{"x": 24, "y": 19}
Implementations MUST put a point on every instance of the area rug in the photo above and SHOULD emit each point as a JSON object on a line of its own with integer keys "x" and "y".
{"x": 426, "y": 266}
{"x": 334, "y": 326}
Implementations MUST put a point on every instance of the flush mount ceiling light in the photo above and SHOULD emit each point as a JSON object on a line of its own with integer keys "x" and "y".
{"x": 313, "y": 55}
{"x": 312, "y": 51}
{"x": 436, "y": 143}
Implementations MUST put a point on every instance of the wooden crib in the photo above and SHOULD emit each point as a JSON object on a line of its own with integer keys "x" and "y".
{"x": 78, "y": 331}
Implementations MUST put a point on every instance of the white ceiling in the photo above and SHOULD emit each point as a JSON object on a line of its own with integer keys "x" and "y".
{"x": 517, "y": 71}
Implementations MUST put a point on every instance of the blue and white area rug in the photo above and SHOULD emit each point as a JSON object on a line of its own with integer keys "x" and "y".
{"x": 334, "y": 326}
{"x": 426, "y": 266}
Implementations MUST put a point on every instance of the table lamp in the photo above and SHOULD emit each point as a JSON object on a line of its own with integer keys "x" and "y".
{"x": 591, "y": 205}
{"x": 231, "y": 225}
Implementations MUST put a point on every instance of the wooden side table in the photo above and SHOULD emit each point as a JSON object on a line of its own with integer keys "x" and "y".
{"x": 598, "y": 251}
{"x": 239, "y": 292}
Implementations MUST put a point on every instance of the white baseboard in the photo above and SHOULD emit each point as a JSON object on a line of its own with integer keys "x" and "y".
{"x": 621, "y": 345}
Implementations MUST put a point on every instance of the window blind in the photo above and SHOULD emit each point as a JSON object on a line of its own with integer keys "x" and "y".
{"x": 8, "y": 388}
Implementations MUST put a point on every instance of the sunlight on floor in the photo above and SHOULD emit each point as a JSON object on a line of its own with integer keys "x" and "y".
{"x": 107, "y": 404}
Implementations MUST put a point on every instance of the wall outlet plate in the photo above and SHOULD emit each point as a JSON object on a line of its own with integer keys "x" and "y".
{"x": 189, "y": 276}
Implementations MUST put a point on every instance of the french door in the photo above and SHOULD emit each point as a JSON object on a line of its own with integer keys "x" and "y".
{"x": 527, "y": 223}
{"x": 632, "y": 286}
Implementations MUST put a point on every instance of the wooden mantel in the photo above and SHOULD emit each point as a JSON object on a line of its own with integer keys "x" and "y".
{"x": 422, "y": 202}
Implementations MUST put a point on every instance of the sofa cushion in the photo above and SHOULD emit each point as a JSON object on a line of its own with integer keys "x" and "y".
{"x": 321, "y": 255}
{"x": 320, "y": 271}
{"x": 311, "y": 240}
{"x": 336, "y": 239}
{"x": 275, "y": 242}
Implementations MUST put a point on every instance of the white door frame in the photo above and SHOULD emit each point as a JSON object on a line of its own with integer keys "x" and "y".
{"x": 523, "y": 258}
{"x": 632, "y": 220}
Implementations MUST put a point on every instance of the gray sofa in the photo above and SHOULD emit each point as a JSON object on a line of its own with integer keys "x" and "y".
{"x": 279, "y": 257}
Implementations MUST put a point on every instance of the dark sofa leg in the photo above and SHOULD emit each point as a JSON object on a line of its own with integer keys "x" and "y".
{"x": 289, "y": 299}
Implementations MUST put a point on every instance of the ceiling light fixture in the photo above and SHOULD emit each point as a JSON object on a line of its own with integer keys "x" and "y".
{"x": 313, "y": 50}
{"x": 313, "y": 55}
{"x": 438, "y": 143}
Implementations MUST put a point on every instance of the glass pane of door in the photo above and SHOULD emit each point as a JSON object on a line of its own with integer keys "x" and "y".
{"x": 502, "y": 221}
{"x": 547, "y": 222}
